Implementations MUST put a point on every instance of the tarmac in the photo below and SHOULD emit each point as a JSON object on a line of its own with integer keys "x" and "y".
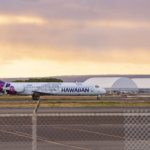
{"x": 67, "y": 128}
{"x": 84, "y": 100}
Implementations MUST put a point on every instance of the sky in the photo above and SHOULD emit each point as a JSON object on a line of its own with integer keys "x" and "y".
{"x": 40, "y": 38}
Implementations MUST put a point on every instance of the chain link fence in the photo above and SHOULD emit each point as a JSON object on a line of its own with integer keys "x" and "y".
{"x": 126, "y": 130}
{"x": 15, "y": 132}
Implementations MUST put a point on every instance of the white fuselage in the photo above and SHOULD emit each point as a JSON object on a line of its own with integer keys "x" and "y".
{"x": 66, "y": 89}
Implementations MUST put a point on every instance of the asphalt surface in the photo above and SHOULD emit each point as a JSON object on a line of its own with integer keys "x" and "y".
{"x": 85, "y": 100}
{"x": 54, "y": 133}
{"x": 84, "y": 130}
{"x": 71, "y": 109}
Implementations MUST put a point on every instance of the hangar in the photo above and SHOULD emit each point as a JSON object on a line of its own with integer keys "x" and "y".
{"x": 115, "y": 84}
{"x": 143, "y": 84}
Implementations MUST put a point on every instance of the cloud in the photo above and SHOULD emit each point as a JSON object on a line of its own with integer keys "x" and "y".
{"x": 11, "y": 19}
{"x": 66, "y": 23}
{"x": 44, "y": 68}
{"x": 91, "y": 35}
{"x": 80, "y": 9}
{"x": 72, "y": 54}
{"x": 71, "y": 31}
{"x": 124, "y": 24}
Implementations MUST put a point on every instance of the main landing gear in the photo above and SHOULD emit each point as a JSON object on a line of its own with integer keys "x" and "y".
{"x": 36, "y": 96}
{"x": 98, "y": 97}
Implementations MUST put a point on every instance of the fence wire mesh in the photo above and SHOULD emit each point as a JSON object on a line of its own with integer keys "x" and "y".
{"x": 128, "y": 130}
{"x": 137, "y": 130}
{"x": 15, "y": 132}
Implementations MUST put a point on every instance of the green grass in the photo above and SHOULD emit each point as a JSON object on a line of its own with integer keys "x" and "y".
{"x": 96, "y": 104}
{"x": 3, "y": 98}
{"x": 74, "y": 104}
{"x": 48, "y": 101}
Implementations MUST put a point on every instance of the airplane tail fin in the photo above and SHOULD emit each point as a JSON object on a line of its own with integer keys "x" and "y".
{"x": 1, "y": 85}
{"x": 4, "y": 87}
{"x": 2, "y": 82}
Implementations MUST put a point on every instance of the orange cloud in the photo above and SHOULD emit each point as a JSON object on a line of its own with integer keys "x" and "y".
{"x": 126, "y": 24}
{"x": 37, "y": 61}
{"x": 72, "y": 54}
{"x": 43, "y": 68}
{"x": 59, "y": 23}
{"x": 12, "y": 19}
{"x": 119, "y": 24}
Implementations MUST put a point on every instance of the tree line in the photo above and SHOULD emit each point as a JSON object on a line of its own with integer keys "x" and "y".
{"x": 40, "y": 80}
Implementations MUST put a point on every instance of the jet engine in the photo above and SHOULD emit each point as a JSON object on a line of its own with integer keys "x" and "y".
{"x": 19, "y": 89}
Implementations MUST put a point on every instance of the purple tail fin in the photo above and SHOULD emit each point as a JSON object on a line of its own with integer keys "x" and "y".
{"x": 1, "y": 85}
{"x": 12, "y": 89}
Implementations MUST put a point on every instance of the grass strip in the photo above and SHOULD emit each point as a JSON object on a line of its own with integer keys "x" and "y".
{"x": 73, "y": 104}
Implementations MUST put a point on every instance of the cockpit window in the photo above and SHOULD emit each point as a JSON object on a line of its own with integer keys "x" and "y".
{"x": 96, "y": 86}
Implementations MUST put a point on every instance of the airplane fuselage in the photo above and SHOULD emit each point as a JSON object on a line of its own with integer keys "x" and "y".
{"x": 64, "y": 89}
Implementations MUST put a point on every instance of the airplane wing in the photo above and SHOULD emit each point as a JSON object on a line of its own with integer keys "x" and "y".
{"x": 43, "y": 92}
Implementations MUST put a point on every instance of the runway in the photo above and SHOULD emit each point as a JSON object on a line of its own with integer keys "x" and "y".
{"x": 68, "y": 128}
{"x": 81, "y": 100}
{"x": 72, "y": 110}
{"x": 63, "y": 132}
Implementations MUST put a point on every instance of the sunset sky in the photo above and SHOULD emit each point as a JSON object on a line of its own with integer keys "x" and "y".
{"x": 40, "y": 38}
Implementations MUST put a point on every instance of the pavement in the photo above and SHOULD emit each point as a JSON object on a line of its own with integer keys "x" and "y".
{"x": 71, "y": 109}
{"x": 68, "y": 128}
{"x": 83, "y": 100}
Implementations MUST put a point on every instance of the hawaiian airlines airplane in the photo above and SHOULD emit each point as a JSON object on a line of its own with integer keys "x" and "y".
{"x": 37, "y": 89}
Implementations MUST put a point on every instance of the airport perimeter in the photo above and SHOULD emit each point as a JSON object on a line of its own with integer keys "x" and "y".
{"x": 75, "y": 128}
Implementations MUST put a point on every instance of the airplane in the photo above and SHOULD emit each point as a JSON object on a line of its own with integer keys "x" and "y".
{"x": 37, "y": 89}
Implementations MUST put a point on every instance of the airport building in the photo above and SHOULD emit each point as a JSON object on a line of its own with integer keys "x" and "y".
{"x": 115, "y": 84}
{"x": 143, "y": 84}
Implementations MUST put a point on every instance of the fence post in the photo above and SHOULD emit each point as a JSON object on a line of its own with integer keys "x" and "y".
{"x": 34, "y": 126}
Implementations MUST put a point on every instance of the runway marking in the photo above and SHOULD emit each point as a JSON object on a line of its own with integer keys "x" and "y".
{"x": 42, "y": 139}
{"x": 76, "y": 114}
{"x": 60, "y": 125}
{"x": 71, "y": 125}
{"x": 94, "y": 132}
{"x": 110, "y": 124}
{"x": 100, "y": 133}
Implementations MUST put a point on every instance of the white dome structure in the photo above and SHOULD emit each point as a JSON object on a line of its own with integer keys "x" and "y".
{"x": 142, "y": 83}
{"x": 114, "y": 83}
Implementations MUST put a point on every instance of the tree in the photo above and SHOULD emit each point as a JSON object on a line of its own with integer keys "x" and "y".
{"x": 40, "y": 80}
